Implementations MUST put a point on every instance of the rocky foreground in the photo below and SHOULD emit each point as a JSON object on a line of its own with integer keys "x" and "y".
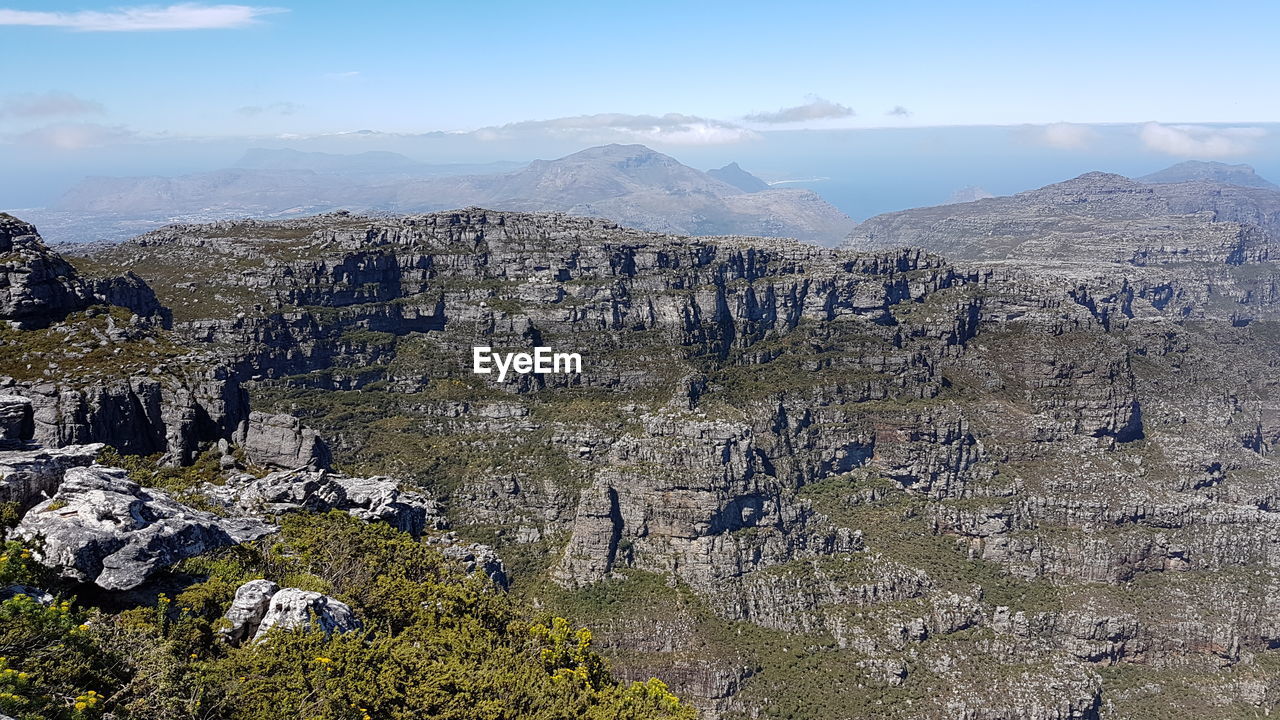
{"x": 791, "y": 482}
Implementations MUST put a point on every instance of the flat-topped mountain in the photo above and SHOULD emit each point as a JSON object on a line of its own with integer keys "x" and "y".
{"x": 1214, "y": 172}
{"x": 630, "y": 184}
{"x": 1094, "y": 218}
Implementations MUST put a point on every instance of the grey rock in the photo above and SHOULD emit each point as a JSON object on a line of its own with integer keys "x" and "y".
{"x": 16, "y": 424}
{"x": 292, "y": 609}
{"x": 28, "y": 476}
{"x": 826, "y": 442}
{"x": 381, "y": 499}
{"x": 40, "y": 596}
{"x": 247, "y": 610}
{"x": 1097, "y": 218}
{"x": 370, "y": 499}
{"x": 477, "y": 557}
{"x": 282, "y": 441}
{"x": 103, "y": 528}
{"x": 172, "y": 412}
{"x": 36, "y": 284}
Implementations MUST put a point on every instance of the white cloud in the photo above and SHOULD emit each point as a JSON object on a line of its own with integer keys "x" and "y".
{"x": 35, "y": 105}
{"x": 74, "y": 136}
{"x": 1065, "y": 136}
{"x": 1199, "y": 141}
{"x": 183, "y": 16}
{"x": 278, "y": 108}
{"x": 671, "y": 129}
{"x": 899, "y": 111}
{"x": 816, "y": 109}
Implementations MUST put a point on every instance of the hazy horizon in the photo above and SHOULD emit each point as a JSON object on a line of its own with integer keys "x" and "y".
{"x": 863, "y": 172}
{"x": 999, "y": 96}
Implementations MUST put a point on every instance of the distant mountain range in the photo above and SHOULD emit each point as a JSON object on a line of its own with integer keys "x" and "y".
{"x": 630, "y": 184}
{"x": 1185, "y": 213}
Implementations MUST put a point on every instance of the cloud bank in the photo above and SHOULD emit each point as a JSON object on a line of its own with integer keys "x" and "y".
{"x": 183, "y": 16}
{"x": 816, "y": 109}
{"x": 1068, "y": 136}
{"x": 74, "y": 136}
{"x": 670, "y": 129}
{"x": 50, "y": 104}
{"x": 1199, "y": 141}
{"x": 1061, "y": 136}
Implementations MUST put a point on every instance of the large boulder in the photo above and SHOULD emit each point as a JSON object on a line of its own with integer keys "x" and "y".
{"x": 374, "y": 498}
{"x": 282, "y": 441}
{"x": 247, "y": 610}
{"x": 103, "y": 528}
{"x": 292, "y": 609}
{"x": 28, "y": 476}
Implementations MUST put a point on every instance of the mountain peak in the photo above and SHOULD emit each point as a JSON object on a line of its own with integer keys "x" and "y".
{"x": 734, "y": 175}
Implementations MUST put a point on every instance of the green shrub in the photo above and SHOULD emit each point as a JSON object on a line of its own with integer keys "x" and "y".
{"x": 436, "y": 643}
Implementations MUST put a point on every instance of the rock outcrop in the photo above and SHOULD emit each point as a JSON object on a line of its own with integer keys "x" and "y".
{"x": 261, "y": 605}
{"x": 36, "y": 285}
{"x": 247, "y": 610}
{"x": 474, "y": 557}
{"x": 91, "y": 361}
{"x": 102, "y": 528}
{"x": 291, "y": 608}
{"x": 369, "y": 499}
{"x": 16, "y": 423}
{"x": 281, "y": 441}
{"x": 30, "y": 475}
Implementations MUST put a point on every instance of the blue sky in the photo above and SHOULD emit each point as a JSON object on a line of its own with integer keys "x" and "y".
{"x": 283, "y": 67}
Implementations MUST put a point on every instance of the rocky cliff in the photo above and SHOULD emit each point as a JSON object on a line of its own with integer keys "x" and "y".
{"x": 799, "y": 482}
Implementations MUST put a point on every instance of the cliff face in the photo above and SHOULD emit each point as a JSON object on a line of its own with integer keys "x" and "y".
{"x": 95, "y": 363}
{"x": 794, "y": 481}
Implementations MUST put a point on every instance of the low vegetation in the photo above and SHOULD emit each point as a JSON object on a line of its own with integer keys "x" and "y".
{"x": 436, "y": 643}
